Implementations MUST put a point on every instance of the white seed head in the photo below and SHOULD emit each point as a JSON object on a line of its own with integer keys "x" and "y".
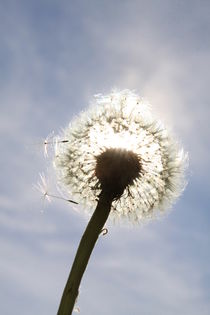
{"x": 121, "y": 121}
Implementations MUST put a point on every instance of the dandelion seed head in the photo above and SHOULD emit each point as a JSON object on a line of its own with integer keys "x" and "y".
{"x": 117, "y": 143}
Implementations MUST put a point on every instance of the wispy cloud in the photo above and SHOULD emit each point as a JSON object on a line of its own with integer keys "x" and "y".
{"x": 54, "y": 57}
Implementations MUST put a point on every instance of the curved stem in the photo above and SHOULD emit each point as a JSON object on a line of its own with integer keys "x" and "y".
{"x": 84, "y": 251}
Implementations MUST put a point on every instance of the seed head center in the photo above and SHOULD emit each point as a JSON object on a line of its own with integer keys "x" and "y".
{"x": 116, "y": 169}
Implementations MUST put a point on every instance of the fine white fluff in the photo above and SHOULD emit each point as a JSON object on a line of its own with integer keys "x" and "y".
{"x": 121, "y": 120}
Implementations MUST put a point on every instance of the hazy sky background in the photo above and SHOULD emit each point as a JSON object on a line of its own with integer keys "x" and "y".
{"x": 54, "y": 55}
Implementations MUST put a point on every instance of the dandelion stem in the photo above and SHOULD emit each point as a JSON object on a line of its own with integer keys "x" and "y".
{"x": 84, "y": 251}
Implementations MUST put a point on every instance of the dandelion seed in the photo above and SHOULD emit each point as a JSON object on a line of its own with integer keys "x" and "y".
{"x": 48, "y": 140}
{"x": 42, "y": 187}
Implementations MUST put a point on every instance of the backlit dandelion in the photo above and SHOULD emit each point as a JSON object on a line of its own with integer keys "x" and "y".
{"x": 120, "y": 160}
{"x": 118, "y": 142}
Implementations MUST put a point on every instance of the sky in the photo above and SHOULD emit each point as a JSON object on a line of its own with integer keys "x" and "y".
{"x": 54, "y": 56}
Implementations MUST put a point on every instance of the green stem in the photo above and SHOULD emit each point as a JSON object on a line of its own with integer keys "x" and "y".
{"x": 84, "y": 251}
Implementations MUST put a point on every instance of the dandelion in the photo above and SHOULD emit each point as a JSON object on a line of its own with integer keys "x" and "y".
{"x": 121, "y": 161}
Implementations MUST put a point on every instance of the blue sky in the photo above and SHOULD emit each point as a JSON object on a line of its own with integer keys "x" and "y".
{"x": 54, "y": 55}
